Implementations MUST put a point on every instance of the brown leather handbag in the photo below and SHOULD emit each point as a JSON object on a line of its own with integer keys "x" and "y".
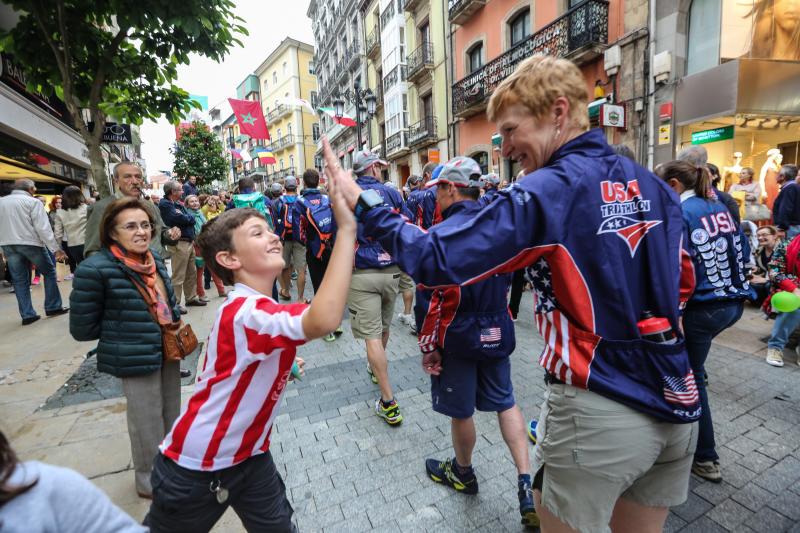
{"x": 177, "y": 339}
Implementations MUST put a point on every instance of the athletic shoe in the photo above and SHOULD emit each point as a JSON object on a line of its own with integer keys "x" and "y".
{"x": 526, "y": 508}
{"x": 294, "y": 274}
{"x": 30, "y": 320}
{"x": 774, "y": 357}
{"x": 339, "y": 332}
{"x": 444, "y": 472}
{"x": 330, "y": 337}
{"x": 708, "y": 470}
{"x": 204, "y": 298}
{"x": 391, "y": 414}
{"x": 182, "y": 309}
{"x": 36, "y": 280}
{"x": 69, "y": 277}
{"x": 57, "y": 312}
{"x": 532, "y": 431}
{"x": 185, "y": 372}
{"x": 402, "y": 318}
{"x": 196, "y": 302}
{"x": 372, "y": 376}
{"x": 412, "y": 328}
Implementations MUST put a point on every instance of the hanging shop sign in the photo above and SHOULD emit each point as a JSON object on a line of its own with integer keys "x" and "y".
{"x": 710, "y": 136}
{"x": 12, "y": 74}
{"x": 612, "y": 116}
{"x": 433, "y": 155}
{"x": 115, "y": 133}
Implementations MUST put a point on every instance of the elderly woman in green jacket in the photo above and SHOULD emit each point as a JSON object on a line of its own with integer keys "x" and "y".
{"x": 107, "y": 306}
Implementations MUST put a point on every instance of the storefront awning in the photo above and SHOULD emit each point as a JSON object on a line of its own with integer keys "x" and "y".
{"x": 12, "y": 170}
{"x": 743, "y": 86}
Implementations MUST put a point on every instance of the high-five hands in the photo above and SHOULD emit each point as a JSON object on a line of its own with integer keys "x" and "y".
{"x": 339, "y": 179}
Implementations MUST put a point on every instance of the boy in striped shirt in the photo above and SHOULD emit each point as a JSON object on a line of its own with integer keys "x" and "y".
{"x": 217, "y": 453}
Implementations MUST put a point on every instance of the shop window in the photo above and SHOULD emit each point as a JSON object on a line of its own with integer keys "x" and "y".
{"x": 475, "y": 57}
{"x": 704, "y": 35}
{"x": 520, "y": 27}
{"x": 482, "y": 158}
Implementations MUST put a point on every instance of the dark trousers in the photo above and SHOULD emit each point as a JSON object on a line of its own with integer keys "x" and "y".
{"x": 517, "y": 284}
{"x": 317, "y": 267}
{"x": 75, "y": 256}
{"x": 183, "y": 500}
{"x": 701, "y": 323}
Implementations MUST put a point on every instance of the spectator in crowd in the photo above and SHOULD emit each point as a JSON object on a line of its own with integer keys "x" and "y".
{"x": 55, "y": 205}
{"x": 28, "y": 241}
{"x": 190, "y": 187}
{"x": 184, "y": 271}
{"x": 698, "y": 156}
{"x": 750, "y": 188}
{"x": 294, "y": 253}
{"x": 213, "y": 207}
{"x": 193, "y": 206}
{"x": 767, "y": 241}
{"x": 107, "y": 306}
{"x": 128, "y": 182}
{"x": 721, "y": 288}
{"x": 489, "y": 183}
{"x": 52, "y": 207}
{"x": 786, "y": 209}
{"x": 784, "y": 275}
{"x": 38, "y": 498}
{"x": 722, "y": 196}
{"x": 248, "y": 196}
{"x": 71, "y": 223}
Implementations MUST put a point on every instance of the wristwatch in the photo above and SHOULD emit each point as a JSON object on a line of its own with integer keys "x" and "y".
{"x": 366, "y": 201}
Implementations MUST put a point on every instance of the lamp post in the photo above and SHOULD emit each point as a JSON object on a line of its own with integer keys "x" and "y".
{"x": 365, "y": 102}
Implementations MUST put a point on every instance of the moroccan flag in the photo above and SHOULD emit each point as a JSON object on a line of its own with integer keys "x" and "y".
{"x": 265, "y": 155}
{"x": 250, "y": 117}
{"x": 344, "y": 120}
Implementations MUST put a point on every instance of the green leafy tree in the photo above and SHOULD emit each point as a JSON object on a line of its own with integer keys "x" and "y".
{"x": 117, "y": 58}
{"x": 199, "y": 153}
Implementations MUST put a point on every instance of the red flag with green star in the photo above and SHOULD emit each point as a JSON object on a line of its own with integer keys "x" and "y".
{"x": 250, "y": 117}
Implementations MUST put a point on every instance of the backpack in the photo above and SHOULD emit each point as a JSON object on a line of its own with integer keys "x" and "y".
{"x": 320, "y": 217}
{"x": 283, "y": 216}
{"x": 254, "y": 200}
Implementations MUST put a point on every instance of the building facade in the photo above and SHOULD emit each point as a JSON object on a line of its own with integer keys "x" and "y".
{"x": 286, "y": 75}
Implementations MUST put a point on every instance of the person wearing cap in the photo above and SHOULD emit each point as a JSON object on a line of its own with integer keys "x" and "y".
{"x": 407, "y": 285}
{"x": 374, "y": 287}
{"x": 275, "y": 191}
{"x": 466, "y": 340}
{"x": 294, "y": 253}
{"x": 489, "y": 183}
{"x": 602, "y": 239}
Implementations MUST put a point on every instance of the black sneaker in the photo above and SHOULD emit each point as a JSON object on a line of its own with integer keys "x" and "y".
{"x": 62, "y": 311}
{"x": 445, "y": 473}
{"x": 526, "y": 508}
{"x": 30, "y": 320}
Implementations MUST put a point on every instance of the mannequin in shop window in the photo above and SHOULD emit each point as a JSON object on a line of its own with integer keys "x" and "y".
{"x": 776, "y": 30}
{"x": 730, "y": 175}
{"x": 768, "y": 179}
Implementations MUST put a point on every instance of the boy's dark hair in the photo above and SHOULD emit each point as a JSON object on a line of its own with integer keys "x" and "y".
{"x": 246, "y": 183}
{"x": 311, "y": 178}
{"x": 217, "y": 236}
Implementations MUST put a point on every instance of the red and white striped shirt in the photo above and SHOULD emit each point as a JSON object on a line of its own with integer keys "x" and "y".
{"x": 249, "y": 356}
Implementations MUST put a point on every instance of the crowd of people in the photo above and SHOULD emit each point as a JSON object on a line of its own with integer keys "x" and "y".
{"x": 633, "y": 275}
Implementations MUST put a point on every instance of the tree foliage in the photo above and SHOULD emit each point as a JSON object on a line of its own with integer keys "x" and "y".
{"x": 117, "y": 58}
{"x": 199, "y": 153}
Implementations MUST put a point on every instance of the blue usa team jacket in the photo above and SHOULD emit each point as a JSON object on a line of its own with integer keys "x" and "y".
{"x": 369, "y": 252}
{"x": 601, "y": 240}
{"x": 471, "y": 321}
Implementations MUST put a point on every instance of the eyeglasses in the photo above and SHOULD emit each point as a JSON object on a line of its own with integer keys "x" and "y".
{"x": 133, "y": 226}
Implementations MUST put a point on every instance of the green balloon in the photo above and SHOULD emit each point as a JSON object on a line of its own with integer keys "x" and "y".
{"x": 785, "y": 302}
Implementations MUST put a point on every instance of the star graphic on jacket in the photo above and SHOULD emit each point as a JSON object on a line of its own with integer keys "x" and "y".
{"x": 249, "y": 119}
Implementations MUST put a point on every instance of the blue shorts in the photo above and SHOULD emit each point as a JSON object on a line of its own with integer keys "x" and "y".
{"x": 468, "y": 384}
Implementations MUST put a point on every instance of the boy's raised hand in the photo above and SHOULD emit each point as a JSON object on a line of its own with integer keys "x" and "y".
{"x": 338, "y": 177}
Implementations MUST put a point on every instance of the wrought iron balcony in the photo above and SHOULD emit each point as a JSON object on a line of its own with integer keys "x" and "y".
{"x": 280, "y": 174}
{"x": 412, "y": 4}
{"x": 397, "y": 74}
{"x": 374, "y": 43}
{"x": 387, "y": 14}
{"x": 580, "y": 34}
{"x": 277, "y": 113}
{"x": 461, "y": 10}
{"x": 353, "y": 53}
{"x": 396, "y": 144}
{"x": 420, "y": 61}
{"x": 423, "y": 132}
{"x": 284, "y": 142}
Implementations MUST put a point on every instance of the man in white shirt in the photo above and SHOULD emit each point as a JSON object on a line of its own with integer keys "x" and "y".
{"x": 27, "y": 240}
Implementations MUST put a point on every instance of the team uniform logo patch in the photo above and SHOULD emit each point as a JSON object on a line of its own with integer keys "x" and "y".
{"x": 622, "y": 211}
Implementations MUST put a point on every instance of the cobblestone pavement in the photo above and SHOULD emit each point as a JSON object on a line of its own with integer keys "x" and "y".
{"x": 345, "y": 470}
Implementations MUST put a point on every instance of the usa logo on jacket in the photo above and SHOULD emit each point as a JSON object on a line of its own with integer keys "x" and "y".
{"x": 622, "y": 212}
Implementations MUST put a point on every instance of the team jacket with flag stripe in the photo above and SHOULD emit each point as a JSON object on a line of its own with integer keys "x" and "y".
{"x": 601, "y": 239}
{"x": 249, "y": 355}
{"x": 470, "y": 321}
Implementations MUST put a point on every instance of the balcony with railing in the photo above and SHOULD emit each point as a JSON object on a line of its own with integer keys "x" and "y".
{"x": 423, "y": 132}
{"x": 284, "y": 142}
{"x": 396, "y": 75}
{"x": 374, "y": 43}
{"x": 420, "y": 61}
{"x": 581, "y": 34}
{"x": 353, "y": 53}
{"x": 387, "y": 14}
{"x": 459, "y": 11}
{"x": 280, "y": 174}
{"x": 396, "y": 144}
{"x": 280, "y": 111}
{"x": 412, "y": 4}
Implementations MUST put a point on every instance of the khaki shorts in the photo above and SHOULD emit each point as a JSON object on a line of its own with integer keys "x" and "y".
{"x": 406, "y": 283}
{"x": 294, "y": 255}
{"x": 371, "y": 301}
{"x": 594, "y": 450}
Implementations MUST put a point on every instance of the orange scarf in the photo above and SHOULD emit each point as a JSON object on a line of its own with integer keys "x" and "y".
{"x": 145, "y": 266}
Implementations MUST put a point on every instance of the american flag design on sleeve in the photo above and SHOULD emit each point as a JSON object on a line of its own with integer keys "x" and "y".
{"x": 249, "y": 355}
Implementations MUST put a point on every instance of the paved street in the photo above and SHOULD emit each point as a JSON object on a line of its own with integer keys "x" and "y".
{"x": 346, "y": 471}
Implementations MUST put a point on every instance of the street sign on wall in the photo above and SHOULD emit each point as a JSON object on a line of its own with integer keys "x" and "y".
{"x": 116, "y": 133}
{"x": 710, "y": 136}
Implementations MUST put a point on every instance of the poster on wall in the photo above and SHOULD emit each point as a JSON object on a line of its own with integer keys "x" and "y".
{"x": 760, "y": 29}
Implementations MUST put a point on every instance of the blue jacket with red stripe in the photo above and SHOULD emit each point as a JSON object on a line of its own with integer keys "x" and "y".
{"x": 601, "y": 239}
{"x": 369, "y": 252}
{"x": 471, "y": 321}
